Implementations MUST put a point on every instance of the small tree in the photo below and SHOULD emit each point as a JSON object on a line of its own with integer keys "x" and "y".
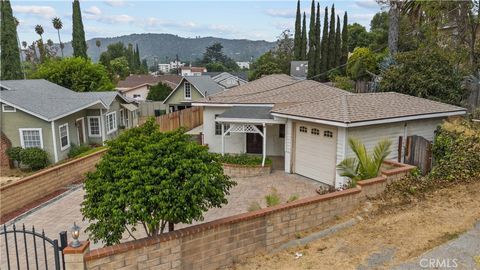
{"x": 150, "y": 179}
{"x": 361, "y": 61}
{"x": 364, "y": 166}
{"x": 159, "y": 92}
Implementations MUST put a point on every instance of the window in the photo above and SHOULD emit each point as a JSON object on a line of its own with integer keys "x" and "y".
{"x": 94, "y": 126}
{"x": 31, "y": 137}
{"x": 137, "y": 96}
{"x": 122, "y": 117}
{"x": 303, "y": 129}
{"x": 188, "y": 92}
{"x": 281, "y": 131}
{"x": 328, "y": 133}
{"x": 315, "y": 131}
{"x": 7, "y": 108}
{"x": 63, "y": 134}
{"x": 218, "y": 127}
{"x": 111, "y": 122}
{"x": 126, "y": 122}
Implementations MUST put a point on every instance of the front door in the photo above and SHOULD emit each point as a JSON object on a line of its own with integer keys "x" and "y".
{"x": 255, "y": 142}
{"x": 80, "y": 131}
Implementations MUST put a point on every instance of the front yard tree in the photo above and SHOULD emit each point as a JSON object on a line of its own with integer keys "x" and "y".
{"x": 79, "y": 44}
{"x": 11, "y": 68}
{"x": 159, "y": 92}
{"x": 150, "y": 179}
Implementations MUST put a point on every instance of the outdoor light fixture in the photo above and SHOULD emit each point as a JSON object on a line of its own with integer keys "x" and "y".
{"x": 75, "y": 234}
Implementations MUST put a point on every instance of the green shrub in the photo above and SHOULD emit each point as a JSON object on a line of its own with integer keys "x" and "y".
{"x": 292, "y": 198}
{"x": 273, "y": 198}
{"x": 254, "y": 206}
{"x": 14, "y": 153}
{"x": 243, "y": 159}
{"x": 344, "y": 83}
{"x": 35, "y": 158}
{"x": 76, "y": 150}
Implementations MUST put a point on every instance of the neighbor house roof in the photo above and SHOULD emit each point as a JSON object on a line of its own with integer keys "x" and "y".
{"x": 204, "y": 84}
{"x": 241, "y": 75}
{"x": 50, "y": 101}
{"x": 194, "y": 69}
{"x": 247, "y": 112}
{"x": 135, "y": 81}
{"x": 366, "y": 107}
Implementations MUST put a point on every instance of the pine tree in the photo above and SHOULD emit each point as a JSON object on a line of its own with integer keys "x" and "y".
{"x": 311, "y": 42}
{"x": 338, "y": 44}
{"x": 304, "y": 38}
{"x": 324, "y": 46}
{"x": 297, "y": 40}
{"x": 78, "y": 34}
{"x": 344, "y": 57}
{"x": 331, "y": 40}
{"x": 318, "y": 48}
{"x": 11, "y": 68}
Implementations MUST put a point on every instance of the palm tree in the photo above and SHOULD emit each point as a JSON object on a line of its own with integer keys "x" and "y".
{"x": 39, "y": 30}
{"x": 364, "y": 166}
{"x": 57, "y": 24}
{"x": 98, "y": 43}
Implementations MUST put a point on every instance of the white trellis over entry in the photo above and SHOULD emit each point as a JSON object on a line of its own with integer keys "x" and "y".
{"x": 246, "y": 128}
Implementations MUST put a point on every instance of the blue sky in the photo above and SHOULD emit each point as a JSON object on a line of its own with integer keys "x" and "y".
{"x": 257, "y": 20}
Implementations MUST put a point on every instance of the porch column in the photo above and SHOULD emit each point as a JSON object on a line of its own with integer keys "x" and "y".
{"x": 264, "y": 144}
{"x": 223, "y": 139}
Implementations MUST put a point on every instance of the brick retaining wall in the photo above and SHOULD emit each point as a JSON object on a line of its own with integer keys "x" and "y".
{"x": 45, "y": 182}
{"x": 225, "y": 241}
{"x": 235, "y": 170}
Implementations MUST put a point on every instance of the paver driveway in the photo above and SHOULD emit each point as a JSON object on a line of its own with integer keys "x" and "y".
{"x": 60, "y": 215}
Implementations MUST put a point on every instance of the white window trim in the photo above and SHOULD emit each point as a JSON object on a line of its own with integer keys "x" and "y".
{"x": 22, "y": 143}
{"x": 114, "y": 124}
{"x": 7, "y": 111}
{"x": 99, "y": 127}
{"x": 185, "y": 90}
{"x": 62, "y": 148}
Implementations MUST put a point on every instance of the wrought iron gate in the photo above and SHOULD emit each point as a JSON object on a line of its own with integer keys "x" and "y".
{"x": 28, "y": 249}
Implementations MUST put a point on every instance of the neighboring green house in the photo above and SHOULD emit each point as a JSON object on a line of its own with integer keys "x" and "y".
{"x": 189, "y": 89}
{"x": 38, "y": 113}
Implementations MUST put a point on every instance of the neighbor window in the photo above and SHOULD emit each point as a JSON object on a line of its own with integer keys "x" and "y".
{"x": 315, "y": 131}
{"x": 111, "y": 122}
{"x": 94, "y": 126}
{"x": 8, "y": 108}
{"x": 137, "y": 96}
{"x": 31, "y": 137}
{"x": 328, "y": 133}
{"x": 122, "y": 117}
{"x": 63, "y": 134}
{"x": 188, "y": 92}
{"x": 303, "y": 129}
{"x": 218, "y": 127}
{"x": 281, "y": 131}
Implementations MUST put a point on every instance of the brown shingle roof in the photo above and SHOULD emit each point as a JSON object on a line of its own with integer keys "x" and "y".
{"x": 366, "y": 107}
{"x": 134, "y": 81}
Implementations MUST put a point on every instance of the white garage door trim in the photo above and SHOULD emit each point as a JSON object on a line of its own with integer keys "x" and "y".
{"x": 315, "y": 152}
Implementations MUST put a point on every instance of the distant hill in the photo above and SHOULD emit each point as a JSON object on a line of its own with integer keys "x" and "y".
{"x": 188, "y": 49}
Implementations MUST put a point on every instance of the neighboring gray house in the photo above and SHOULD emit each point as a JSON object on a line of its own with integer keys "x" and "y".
{"x": 38, "y": 113}
{"x": 228, "y": 80}
{"x": 299, "y": 69}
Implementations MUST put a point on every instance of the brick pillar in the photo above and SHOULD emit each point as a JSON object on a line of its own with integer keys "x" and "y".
{"x": 5, "y": 162}
{"x": 74, "y": 257}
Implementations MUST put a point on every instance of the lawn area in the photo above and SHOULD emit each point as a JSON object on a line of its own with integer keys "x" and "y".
{"x": 396, "y": 230}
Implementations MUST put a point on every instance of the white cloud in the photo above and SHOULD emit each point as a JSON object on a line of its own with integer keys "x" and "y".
{"x": 368, "y": 4}
{"x": 93, "y": 10}
{"x": 115, "y": 3}
{"x": 46, "y": 12}
{"x": 152, "y": 23}
{"x": 283, "y": 13}
{"x": 116, "y": 19}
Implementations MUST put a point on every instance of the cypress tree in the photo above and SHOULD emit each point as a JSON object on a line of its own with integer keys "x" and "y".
{"x": 331, "y": 40}
{"x": 318, "y": 49}
{"x": 338, "y": 44}
{"x": 324, "y": 46}
{"x": 344, "y": 57}
{"x": 311, "y": 42}
{"x": 11, "y": 68}
{"x": 297, "y": 40}
{"x": 138, "y": 63}
{"x": 78, "y": 34}
{"x": 304, "y": 38}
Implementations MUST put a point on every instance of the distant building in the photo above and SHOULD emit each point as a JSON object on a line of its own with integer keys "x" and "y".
{"x": 167, "y": 68}
{"x": 192, "y": 71}
{"x": 138, "y": 86}
{"x": 299, "y": 69}
{"x": 242, "y": 65}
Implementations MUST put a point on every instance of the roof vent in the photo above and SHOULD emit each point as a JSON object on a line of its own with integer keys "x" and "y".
{"x": 3, "y": 87}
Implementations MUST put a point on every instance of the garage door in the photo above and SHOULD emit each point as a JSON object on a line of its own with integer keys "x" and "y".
{"x": 315, "y": 152}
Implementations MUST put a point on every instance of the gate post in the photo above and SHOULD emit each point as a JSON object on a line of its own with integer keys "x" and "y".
{"x": 74, "y": 257}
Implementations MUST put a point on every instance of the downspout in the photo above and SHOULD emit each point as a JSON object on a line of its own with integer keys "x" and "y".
{"x": 55, "y": 154}
{"x": 404, "y": 142}
{"x": 264, "y": 144}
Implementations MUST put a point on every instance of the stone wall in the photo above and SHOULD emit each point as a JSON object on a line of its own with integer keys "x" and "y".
{"x": 45, "y": 182}
{"x": 235, "y": 170}
{"x": 222, "y": 242}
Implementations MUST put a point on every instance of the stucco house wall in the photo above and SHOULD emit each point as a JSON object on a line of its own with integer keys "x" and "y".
{"x": 142, "y": 91}
{"x": 178, "y": 96}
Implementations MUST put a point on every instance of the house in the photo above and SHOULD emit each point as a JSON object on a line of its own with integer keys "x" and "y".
{"x": 308, "y": 123}
{"x": 137, "y": 86}
{"x": 190, "y": 89}
{"x": 243, "y": 65}
{"x": 38, "y": 113}
{"x": 299, "y": 69}
{"x": 166, "y": 68}
{"x": 192, "y": 71}
{"x": 228, "y": 80}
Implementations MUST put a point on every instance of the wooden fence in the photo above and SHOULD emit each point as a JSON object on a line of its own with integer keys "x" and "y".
{"x": 188, "y": 119}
